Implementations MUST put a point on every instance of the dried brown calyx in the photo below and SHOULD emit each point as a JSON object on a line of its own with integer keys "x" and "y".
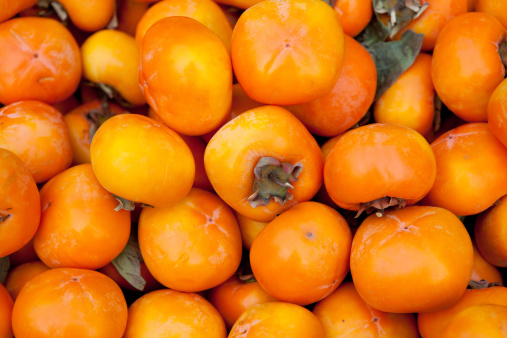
{"x": 273, "y": 180}
{"x": 379, "y": 205}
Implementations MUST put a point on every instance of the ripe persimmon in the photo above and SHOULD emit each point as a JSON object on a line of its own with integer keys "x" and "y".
{"x": 19, "y": 275}
{"x": 91, "y": 15}
{"x": 478, "y": 321}
{"x": 287, "y": 52}
{"x": 403, "y": 262}
{"x": 6, "y": 305}
{"x": 354, "y": 15}
{"x": 491, "y": 235}
{"x": 249, "y": 229}
{"x": 40, "y": 61}
{"x": 497, "y": 8}
{"x": 497, "y": 112}
{"x": 263, "y": 162}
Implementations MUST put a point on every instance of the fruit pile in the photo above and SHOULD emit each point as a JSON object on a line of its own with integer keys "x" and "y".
{"x": 247, "y": 168}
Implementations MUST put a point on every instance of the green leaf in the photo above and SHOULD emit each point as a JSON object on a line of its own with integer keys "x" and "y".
{"x": 128, "y": 264}
{"x": 393, "y": 58}
{"x": 5, "y": 264}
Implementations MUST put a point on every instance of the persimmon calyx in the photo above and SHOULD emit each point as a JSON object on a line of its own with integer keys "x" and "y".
{"x": 380, "y": 204}
{"x": 49, "y": 6}
{"x": 273, "y": 180}
{"x": 124, "y": 203}
{"x": 96, "y": 117}
{"x": 399, "y": 12}
{"x": 503, "y": 52}
{"x": 481, "y": 284}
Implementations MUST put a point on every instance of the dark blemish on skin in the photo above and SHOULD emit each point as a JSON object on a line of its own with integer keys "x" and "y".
{"x": 375, "y": 319}
{"x": 343, "y": 320}
{"x": 74, "y": 279}
{"x": 450, "y": 136}
{"x": 406, "y": 228}
{"x": 246, "y": 330}
{"x": 309, "y": 235}
{"x": 287, "y": 44}
{"x": 210, "y": 220}
{"x": 36, "y": 55}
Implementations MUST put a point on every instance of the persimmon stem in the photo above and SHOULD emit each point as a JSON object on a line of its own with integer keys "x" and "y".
{"x": 482, "y": 284}
{"x": 273, "y": 180}
{"x": 379, "y": 205}
{"x": 503, "y": 52}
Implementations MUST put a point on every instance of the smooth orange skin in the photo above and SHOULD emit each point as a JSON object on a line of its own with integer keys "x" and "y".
{"x": 484, "y": 270}
{"x": 240, "y": 104}
{"x": 344, "y": 312}
{"x": 173, "y": 314}
{"x": 268, "y": 131}
{"x": 482, "y": 321}
{"x": 497, "y": 8}
{"x": 491, "y": 235}
{"x": 199, "y": 95}
{"x": 463, "y": 186}
{"x": 6, "y": 305}
{"x": 133, "y": 157}
{"x": 9, "y": 8}
{"x": 130, "y": 13}
{"x": 497, "y": 112}
{"x": 25, "y": 254}
{"x": 402, "y": 262}
{"x": 466, "y": 65}
{"x": 79, "y": 227}
{"x": 41, "y": 61}
{"x": 379, "y": 160}
{"x": 70, "y": 303}
{"x": 151, "y": 283}
{"x": 206, "y": 12}
{"x": 350, "y": 98}
{"x": 233, "y": 297}
{"x": 354, "y": 15}
{"x": 19, "y": 275}
{"x": 432, "y": 324}
{"x": 302, "y": 255}
{"x": 249, "y": 229}
{"x": 90, "y": 16}
{"x": 192, "y": 246}
{"x": 278, "y": 319}
{"x": 20, "y": 202}
{"x": 410, "y": 101}
{"x": 38, "y": 135}
{"x": 197, "y": 147}
{"x": 288, "y": 52}
{"x": 112, "y": 57}
{"x": 243, "y": 4}
{"x": 433, "y": 19}
{"x": 79, "y": 128}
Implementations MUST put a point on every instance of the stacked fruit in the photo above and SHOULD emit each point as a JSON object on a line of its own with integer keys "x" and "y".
{"x": 276, "y": 168}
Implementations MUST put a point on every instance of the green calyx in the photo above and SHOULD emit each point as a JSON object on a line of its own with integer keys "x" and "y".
{"x": 273, "y": 180}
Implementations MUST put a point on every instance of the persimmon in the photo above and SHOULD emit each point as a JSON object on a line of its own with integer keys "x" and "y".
{"x": 433, "y": 19}
{"x": 497, "y": 8}
{"x": 287, "y": 52}
{"x": 344, "y": 311}
{"x": 467, "y": 64}
{"x": 478, "y": 321}
{"x": 432, "y": 324}
{"x": 249, "y": 229}
{"x": 303, "y": 254}
{"x": 67, "y": 105}
{"x": 234, "y": 296}
{"x": 243, "y": 4}
{"x": 25, "y": 254}
{"x": 483, "y": 270}
{"x": 90, "y": 16}
{"x": 70, "y": 303}
{"x": 403, "y": 261}
{"x": 134, "y": 157}
{"x": 277, "y": 319}
{"x": 491, "y": 235}
{"x": 73, "y": 236}
{"x": 172, "y": 314}
{"x": 6, "y": 305}
{"x": 151, "y": 283}
{"x": 264, "y": 162}
{"x": 240, "y": 104}
{"x": 83, "y": 122}
{"x": 350, "y": 98}
{"x": 19, "y": 205}
{"x": 462, "y": 185}
{"x": 322, "y": 195}
{"x": 19, "y": 275}
{"x": 38, "y": 135}
{"x": 198, "y": 97}
{"x": 354, "y": 15}
{"x": 379, "y": 165}
{"x": 206, "y": 12}
{"x": 40, "y": 61}
{"x": 193, "y": 245}
{"x": 410, "y": 101}
{"x": 111, "y": 57}
{"x": 497, "y": 112}
{"x": 10, "y": 8}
